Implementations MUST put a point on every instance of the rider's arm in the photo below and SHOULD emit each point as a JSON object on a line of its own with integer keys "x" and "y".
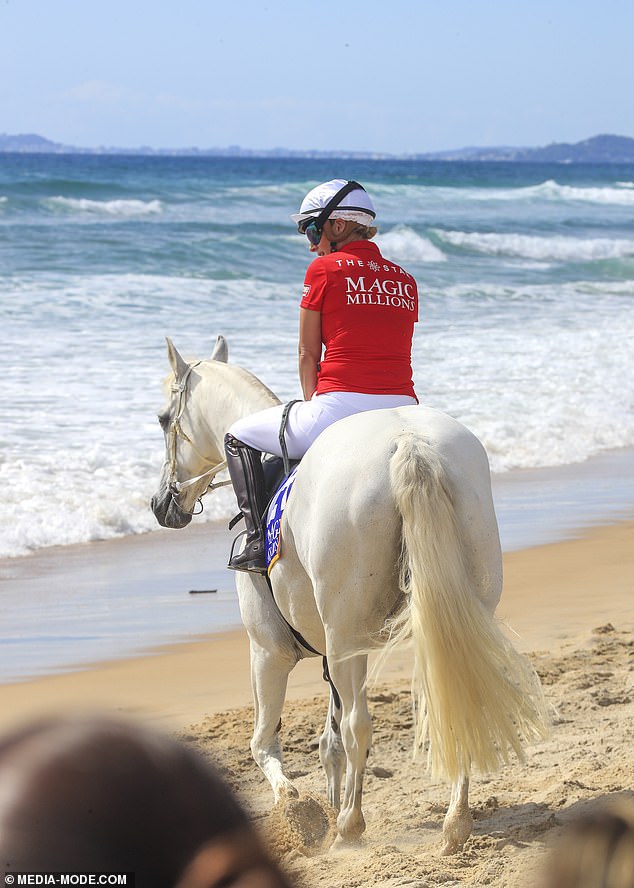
{"x": 309, "y": 350}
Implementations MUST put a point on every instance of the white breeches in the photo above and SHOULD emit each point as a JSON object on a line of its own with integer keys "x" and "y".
{"x": 307, "y": 419}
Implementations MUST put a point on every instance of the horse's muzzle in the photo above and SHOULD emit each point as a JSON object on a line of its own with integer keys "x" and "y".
{"x": 167, "y": 511}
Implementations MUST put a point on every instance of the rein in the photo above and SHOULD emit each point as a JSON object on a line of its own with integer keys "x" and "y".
{"x": 175, "y": 432}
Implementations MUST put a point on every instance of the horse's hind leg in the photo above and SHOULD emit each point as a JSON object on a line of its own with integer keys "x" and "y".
{"x": 458, "y": 822}
{"x": 349, "y": 676}
{"x": 331, "y": 753}
{"x": 269, "y": 677}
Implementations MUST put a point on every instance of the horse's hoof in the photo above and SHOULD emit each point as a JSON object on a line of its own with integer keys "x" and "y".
{"x": 286, "y": 791}
{"x": 347, "y": 842}
{"x": 451, "y": 848}
{"x": 454, "y": 844}
{"x": 350, "y": 827}
{"x": 456, "y": 832}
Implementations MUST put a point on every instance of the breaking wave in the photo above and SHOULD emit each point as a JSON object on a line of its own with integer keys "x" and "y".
{"x": 552, "y": 190}
{"x": 523, "y": 246}
{"x": 620, "y": 193}
{"x": 402, "y": 244}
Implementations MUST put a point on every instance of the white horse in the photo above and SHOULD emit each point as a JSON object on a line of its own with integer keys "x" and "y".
{"x": 389, "y": 532}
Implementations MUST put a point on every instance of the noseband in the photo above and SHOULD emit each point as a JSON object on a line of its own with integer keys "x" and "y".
{"x": 175, "y": 432}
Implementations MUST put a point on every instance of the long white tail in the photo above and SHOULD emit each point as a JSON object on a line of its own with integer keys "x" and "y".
{"x": 478, "y": 698}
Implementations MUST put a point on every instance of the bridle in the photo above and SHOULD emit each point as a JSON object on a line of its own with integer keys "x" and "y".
{"x": 175, "y": 432}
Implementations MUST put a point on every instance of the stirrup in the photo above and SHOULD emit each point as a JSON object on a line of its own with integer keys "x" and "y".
{"x": 244, "y": 561}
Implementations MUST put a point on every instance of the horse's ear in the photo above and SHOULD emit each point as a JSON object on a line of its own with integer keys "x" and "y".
{"x": 221, "y": 350}
{"x": 179, "y": 365}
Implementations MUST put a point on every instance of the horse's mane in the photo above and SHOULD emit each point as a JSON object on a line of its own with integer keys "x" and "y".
{"x": 234, "y": 369}
{"x": 248, "y": 376}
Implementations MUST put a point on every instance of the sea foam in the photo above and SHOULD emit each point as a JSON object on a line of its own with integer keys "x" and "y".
{"x": 535, "y": 389}
{"x": 105, "y": 207}
{"x": 98, "y": 494}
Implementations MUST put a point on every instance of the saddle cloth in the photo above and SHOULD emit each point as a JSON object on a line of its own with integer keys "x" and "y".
{"x": 274, "y": 520}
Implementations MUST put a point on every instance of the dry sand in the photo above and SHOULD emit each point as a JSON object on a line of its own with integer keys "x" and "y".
{"x": 570, "y": 604}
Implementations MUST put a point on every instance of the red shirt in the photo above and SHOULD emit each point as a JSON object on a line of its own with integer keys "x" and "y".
{"x": 368, "y": 307}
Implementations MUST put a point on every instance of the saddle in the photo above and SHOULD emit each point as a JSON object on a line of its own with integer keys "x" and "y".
{"x": 275, "y": 473}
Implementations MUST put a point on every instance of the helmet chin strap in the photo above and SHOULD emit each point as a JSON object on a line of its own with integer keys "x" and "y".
{"x": 332, "y": 242}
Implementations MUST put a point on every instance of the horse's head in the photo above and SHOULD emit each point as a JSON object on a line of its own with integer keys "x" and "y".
{"x": 191, "y": 458}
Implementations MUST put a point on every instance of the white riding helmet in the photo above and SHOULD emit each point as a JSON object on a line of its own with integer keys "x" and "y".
{"x": 355, "y": 206}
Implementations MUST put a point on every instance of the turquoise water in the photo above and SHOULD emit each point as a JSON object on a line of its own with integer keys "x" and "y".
{"x": 526, "y": 276}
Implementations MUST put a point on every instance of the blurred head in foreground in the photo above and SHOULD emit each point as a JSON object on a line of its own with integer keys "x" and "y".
{"x": 597, "y": 851}
{"x": 99, "y": 795}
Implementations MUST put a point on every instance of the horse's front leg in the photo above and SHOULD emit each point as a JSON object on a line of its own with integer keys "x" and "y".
{"x": 269, "y": 678}
{"x": 331, "y": 753}
{"x": 273, "y": 655}
{"x": 349, "y": 676}
{"x": 458, "y": 821}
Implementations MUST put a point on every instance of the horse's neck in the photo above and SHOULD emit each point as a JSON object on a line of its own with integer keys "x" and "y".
{"x": 228, "y": 394}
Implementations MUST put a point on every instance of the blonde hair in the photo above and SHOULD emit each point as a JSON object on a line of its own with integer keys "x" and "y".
{"x": 597, "y": 851}
{"x": 365, "y": 232}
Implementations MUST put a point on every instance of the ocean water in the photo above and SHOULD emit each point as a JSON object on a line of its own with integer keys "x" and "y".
{"x": 526, "y": 333}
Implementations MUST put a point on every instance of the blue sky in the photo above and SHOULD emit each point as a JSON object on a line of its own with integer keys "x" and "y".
{"x": 399, "y": 76}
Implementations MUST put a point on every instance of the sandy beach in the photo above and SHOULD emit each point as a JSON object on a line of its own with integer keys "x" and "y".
{"x": 570, "y": 606}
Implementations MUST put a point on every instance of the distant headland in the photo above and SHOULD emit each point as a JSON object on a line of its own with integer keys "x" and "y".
{"x": 598, "y": 149}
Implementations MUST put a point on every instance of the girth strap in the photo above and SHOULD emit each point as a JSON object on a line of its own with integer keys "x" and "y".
{"x": 336, "y": 699}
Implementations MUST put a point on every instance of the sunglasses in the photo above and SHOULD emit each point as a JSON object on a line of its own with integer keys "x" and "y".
{"x": 312, "y": 229}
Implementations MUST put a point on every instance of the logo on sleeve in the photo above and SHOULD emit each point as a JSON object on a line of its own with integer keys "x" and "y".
{"x": 306, "y": 290}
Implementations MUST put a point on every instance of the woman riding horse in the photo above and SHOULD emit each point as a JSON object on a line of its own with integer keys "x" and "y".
{"x": 359, "y": 306}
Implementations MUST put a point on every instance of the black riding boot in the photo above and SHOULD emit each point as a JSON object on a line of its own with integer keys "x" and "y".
{"x": 247, "y": 476}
